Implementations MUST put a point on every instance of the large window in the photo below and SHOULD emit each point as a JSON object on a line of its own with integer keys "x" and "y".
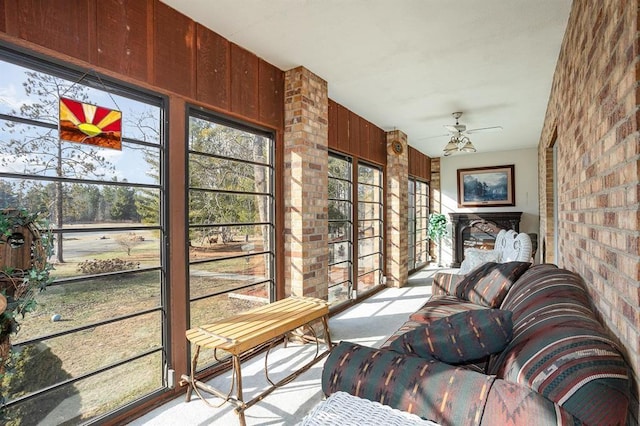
{"x": 418, "y": 216}
{"x": 370, "y": 227}
{"x": 340, "y": 229}
{"x": 231, "y": 219}
{"x": 96, "y": 339}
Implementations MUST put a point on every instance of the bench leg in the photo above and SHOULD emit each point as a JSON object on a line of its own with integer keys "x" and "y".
{"x": 192, "y": 377}
{"x": 327, "y": 336}
{"x": 240, "y": 409}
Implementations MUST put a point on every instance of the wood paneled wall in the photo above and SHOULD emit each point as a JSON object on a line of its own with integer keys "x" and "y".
{"x": 353, "y": 135}
{"x": 419, "y": 164}
{"x": 150, "y": 42}
{"x": 147, "y": 44}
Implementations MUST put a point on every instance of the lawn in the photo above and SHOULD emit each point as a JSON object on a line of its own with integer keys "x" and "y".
{"x": 84, "y": 348}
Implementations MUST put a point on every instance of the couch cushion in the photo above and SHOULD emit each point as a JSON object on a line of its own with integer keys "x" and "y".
{"x": 445, "y": 283}
{"x": 433, "y": 390}
{"x": 442, "y": 306}
{"x": 489, "y": 283}
{"x": 459, "y": 338}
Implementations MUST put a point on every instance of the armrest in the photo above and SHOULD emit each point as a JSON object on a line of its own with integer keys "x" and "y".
{"x": 445, "y": 283}
{"x": 513, "y": 403}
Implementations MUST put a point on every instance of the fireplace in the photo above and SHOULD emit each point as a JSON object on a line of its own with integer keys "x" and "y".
{"x": 479, "y": 230}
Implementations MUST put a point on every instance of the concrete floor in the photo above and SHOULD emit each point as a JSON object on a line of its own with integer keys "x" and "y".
{"x": 368, "y": 323}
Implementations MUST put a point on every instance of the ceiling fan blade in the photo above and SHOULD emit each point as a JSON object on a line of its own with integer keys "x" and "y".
{"x": 433, "y": 137}
{"x": 455, "y": 128}
{"x": 484, "y": 129}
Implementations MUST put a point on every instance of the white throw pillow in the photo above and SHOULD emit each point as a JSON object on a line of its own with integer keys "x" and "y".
{"x": 476, "y": 257}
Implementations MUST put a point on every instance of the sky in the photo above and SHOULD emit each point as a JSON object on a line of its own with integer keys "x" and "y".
{"x": 129, "y": 162}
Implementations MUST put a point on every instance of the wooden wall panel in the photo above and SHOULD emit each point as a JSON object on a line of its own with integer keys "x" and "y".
{"x": 63, "y": 28}
{"x": 364, "y": 141}
{"x": 354, "y": 133}
{"x": 333, "y": 125}
{"x": 174, "y": 50}
{"x": 213, "y": 76}
{"x": 343, "y": 129}
{"x": 419, "y": 164}
{"x": 411, "y": 153}
{"x": 122, "y": 36}
{"x": 379, "y": 145}
{"x": 271, "y": 94}
{"x": 244, "y": 82}
{"x": 150, "y": 42}
{"x": 3, "y": 16}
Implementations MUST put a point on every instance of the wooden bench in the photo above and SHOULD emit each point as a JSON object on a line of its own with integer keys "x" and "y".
{"x": 250, "y": 329}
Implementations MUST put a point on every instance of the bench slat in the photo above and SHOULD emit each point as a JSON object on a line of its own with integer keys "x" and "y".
{"x": 249, "y": 329}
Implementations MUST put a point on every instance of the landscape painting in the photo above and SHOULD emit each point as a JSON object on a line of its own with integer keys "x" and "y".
{"x": 486, "y": 186}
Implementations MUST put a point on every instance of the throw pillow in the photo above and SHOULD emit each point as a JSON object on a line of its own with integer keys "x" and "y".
{"x": 475, "y": 257}
{"x": 459, "y": 338}
{"x": 489, "y": 283}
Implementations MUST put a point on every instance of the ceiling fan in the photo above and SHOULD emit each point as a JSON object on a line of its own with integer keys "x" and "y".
{"x": 459, "y": 140}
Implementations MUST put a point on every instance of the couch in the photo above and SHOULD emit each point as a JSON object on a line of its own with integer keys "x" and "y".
{"x": 508, "y": 343}
{"x": 509, "y": 246}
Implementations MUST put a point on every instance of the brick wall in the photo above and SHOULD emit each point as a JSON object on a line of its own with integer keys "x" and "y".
{"x": 593, "y": 118}
{"x": 305, "y": 184}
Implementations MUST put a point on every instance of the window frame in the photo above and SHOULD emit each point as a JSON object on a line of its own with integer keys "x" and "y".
{"x": 94, "y": 80}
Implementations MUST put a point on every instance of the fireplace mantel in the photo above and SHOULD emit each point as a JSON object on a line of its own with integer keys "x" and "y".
{"x": 489, "y": 223}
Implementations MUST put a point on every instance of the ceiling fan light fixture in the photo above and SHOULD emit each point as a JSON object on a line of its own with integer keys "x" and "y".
{"x": 451, "y": 146}
{"x": 468, "y": 147}
{"x": 459, "y": 141}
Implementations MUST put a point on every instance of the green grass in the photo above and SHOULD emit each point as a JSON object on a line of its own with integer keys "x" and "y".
{"x": 90, "y": 301}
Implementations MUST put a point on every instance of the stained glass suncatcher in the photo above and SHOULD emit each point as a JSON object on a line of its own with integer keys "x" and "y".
{"x": 90, "y": 124}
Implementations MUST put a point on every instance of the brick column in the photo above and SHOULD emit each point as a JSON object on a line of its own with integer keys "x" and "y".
{"x": 397, "y": 202}
{"x": 306, "y": 139}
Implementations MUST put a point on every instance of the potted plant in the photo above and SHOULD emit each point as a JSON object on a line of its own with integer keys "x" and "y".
{"x": 436, "y": 230}
{"x": 26, "y": 242}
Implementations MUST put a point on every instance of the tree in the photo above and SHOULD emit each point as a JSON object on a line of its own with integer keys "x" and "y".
{"x": 36, "y": 146}
{"x": 212, "y": 170}
{"x": 8, "y": 196}
{"x": 84, "y": 202}
{"x": 124, "y": 204}
{"x": 148, "y": 201}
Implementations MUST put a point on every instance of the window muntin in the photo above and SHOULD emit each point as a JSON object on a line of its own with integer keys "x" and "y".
{"x": 340, "y": 208}
{"x": 94, "y": 197}
{"x": 231, "y": 219}
{"x": 370, "y": 227}
{"x": 411, "y": 224}
{"x": 418, "y": 241}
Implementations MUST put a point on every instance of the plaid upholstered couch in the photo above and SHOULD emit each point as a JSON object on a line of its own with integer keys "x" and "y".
{"x": 511, "y": 344}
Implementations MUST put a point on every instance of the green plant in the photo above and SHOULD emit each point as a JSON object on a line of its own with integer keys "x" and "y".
{"x": 437, "y": 226}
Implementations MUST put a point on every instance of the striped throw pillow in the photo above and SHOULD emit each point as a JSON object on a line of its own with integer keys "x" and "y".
{"x": 459, "y": 338}
{"x": 489, "y": 283}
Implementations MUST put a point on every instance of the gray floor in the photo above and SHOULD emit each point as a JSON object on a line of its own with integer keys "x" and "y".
{"x": 369, "y": 323}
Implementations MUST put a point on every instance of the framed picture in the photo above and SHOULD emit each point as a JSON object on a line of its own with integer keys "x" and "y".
{"x": 486, "y": 187}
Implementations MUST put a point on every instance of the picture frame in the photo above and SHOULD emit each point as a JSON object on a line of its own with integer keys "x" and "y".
{"x": 487, "y": 186}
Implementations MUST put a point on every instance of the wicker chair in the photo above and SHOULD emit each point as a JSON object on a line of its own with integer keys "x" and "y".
{"x": 509, "y": 246}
